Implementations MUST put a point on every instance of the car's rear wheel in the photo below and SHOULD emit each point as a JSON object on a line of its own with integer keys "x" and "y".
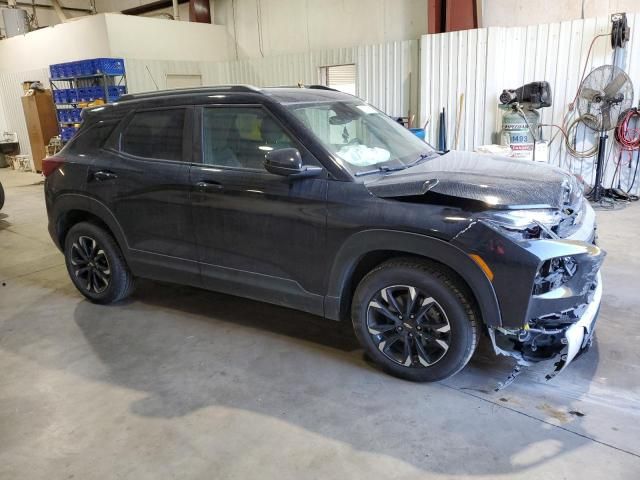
{"x": 415, "y": 319}
{"x": 96, "y": 265}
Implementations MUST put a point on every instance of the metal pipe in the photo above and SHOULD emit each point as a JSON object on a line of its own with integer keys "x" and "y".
{"x": 42, "y": 5}
{"x": 176, "y": 13}
{"x": 61, "y": 15}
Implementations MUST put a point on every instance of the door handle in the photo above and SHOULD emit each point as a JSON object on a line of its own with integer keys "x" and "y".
{"x": 103, "y": 175}
{"x": 208, "y": 185}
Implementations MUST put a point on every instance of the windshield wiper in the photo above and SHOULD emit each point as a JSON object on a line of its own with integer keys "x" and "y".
{"x": 383, "y": 168}
{"x": 379, "y": 169}
{"x": 423, "y": 156}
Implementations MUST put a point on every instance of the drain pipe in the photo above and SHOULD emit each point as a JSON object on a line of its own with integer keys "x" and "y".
{"x": 176, "y": 14}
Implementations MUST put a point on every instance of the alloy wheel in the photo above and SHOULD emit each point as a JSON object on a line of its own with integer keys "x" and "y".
{"x": 408, "y": 326}
{"x": 90, "y": 264}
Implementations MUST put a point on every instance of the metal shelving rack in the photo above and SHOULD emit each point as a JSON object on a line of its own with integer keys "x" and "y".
{"x": 81, "y": 90}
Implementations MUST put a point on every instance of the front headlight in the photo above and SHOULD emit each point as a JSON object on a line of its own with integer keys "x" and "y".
{"x": 524, "y": 224}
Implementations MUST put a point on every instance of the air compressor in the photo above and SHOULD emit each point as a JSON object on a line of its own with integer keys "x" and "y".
{"x": 520, "y": 118}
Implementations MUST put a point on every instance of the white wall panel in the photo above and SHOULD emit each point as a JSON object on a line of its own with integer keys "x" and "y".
{"x": 11, "y": 93}
{"x": 481, "y": 63}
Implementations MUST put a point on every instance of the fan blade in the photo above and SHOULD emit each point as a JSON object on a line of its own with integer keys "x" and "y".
{"x": 615, "y": 85}
{"x": 592, "y": 95}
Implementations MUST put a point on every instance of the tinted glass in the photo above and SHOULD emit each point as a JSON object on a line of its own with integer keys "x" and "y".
{"x": 241, "y": 136}
{"x": 155, "y": 134}
{"x": 92, "y": 138}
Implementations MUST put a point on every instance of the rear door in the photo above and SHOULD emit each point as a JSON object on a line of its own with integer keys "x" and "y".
{"x": 144, "y": 180}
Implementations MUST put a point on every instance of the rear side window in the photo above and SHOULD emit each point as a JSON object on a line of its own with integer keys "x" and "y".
{"x": 92, "y": 138}
{"x": 155, "y": 134}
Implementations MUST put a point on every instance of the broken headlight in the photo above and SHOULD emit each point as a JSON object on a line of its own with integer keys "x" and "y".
{"x": 525, "y": 224}
{"x": 554, "y": 273}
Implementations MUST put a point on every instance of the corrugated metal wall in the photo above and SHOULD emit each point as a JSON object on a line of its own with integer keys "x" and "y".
{"x": 10, "y": 93}
{"x": 387, "y": 73}
{"x": 481, "y": 63}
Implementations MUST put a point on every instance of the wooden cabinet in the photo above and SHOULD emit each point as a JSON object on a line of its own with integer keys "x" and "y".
{"x": 42, "y": 124}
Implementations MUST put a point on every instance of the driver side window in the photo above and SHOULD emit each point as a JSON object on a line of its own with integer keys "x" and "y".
{"x": 240, "y": 137}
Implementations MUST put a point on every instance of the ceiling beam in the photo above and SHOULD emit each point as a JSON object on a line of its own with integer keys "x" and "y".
{"x": 150, "y": 7}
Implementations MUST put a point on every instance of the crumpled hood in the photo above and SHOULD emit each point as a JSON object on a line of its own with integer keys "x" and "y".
{"x": 496, "y": 181}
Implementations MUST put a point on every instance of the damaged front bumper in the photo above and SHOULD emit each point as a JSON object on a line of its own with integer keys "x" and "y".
{"x": 548, "y": 290}
{"x": 579, "y": 335}
{"x": 574, "y": 339}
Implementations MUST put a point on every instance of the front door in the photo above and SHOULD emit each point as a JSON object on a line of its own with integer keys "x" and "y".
{"x": 260, "y": 235}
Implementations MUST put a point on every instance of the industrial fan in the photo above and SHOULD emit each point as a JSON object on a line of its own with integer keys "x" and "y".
{"x": 604, "y": 94}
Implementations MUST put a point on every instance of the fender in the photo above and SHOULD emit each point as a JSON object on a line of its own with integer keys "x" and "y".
{"x": 76, "y": 201}
{"x": 361, "y": 243}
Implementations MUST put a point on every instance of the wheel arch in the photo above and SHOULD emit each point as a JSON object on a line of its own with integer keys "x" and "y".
{"x": 71, "y": 209}
{"x": 365, "y": 250}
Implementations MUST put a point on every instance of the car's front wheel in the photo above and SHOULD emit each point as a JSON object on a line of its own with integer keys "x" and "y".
{"x": 96, "y": 265}
{"x": 415, "y": 319}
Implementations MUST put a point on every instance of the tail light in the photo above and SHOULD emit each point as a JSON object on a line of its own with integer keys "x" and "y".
{"x": 50, "y": 164}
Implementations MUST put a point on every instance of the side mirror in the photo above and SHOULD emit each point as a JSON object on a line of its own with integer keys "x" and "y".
{"x": 288, "y": 162}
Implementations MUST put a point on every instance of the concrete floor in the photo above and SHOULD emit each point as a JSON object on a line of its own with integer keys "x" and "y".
{"x": 182, "y": 383}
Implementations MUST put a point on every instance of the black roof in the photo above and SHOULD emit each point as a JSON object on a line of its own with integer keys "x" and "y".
{"x": 311, "y": 93}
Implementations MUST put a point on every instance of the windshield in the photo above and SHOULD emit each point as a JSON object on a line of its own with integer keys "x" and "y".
{"x": 364, "y": 139}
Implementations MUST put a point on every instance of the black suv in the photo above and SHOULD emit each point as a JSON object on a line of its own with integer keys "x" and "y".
{"x": 312, "y": 199}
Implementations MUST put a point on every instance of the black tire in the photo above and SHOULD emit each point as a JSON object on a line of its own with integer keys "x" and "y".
{"x": 442, "y": 332}
{"x": 1, "y": 197}
{"x": 96, "y": 265}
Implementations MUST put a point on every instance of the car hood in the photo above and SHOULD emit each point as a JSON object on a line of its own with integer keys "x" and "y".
{"x": 496, "y": 181}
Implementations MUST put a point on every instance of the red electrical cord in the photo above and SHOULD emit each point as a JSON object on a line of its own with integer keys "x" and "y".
{"x": 628, "y": 138}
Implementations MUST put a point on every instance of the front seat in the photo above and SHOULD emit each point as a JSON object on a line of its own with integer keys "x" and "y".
{"x": 216, "y": 149}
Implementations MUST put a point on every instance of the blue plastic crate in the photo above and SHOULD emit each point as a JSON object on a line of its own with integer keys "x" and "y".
{"x": 67, "y": 70}
{"x": 109, "y": 66}
{"x": 54, "y": 71}
{"x": 74, "y": 115}
{"x": 67, "y": 133}
{"x": 97, "y": 92}
{"x": 72, "y": 95}
{"x": 86, "y": 67}
{"x": 76, "y": 68}
{"x": 83, "y": 94}
{"x": 114, "y": 92}
{"x": 62, "y": 115}
{"x": 60, "y": 96}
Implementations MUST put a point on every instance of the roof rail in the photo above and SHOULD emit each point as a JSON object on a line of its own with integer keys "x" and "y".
{"x": 313, "y": 87}
{"x": 191, "y": 91}
{"x": 321, "y": 87}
